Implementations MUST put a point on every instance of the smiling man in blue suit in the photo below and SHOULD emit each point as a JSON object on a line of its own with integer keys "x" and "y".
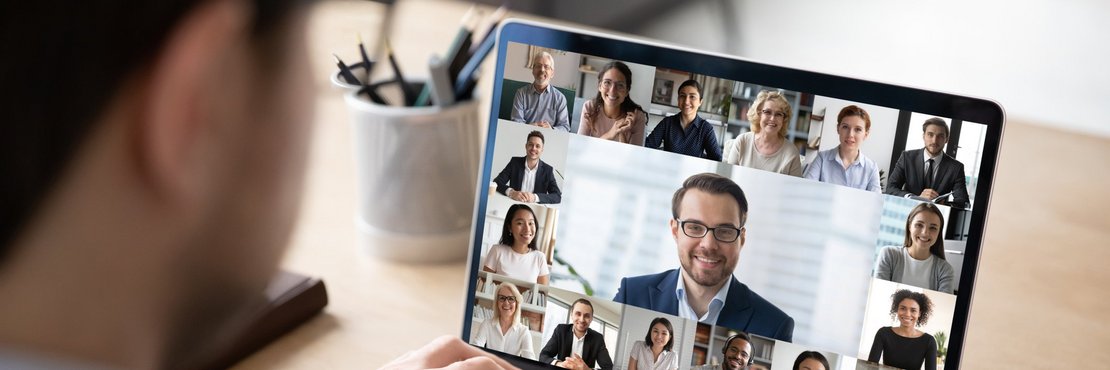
{"x": 709, "y": 212}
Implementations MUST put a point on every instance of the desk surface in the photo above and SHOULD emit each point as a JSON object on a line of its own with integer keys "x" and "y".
{"x": 1041, "y": 293}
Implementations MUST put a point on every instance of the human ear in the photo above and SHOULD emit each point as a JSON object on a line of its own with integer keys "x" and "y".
{"x": 176, "y": 110}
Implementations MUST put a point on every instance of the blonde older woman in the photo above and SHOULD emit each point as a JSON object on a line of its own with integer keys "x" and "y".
{"x": 765, "y": 147}
{"x": 504, "y": 332}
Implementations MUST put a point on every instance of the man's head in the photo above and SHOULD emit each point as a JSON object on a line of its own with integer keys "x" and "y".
{"x": 935, "y": 134}
{"x": 158, "y": 161}
{"x": 709, "y": 212}
{"x": 543, "y": 69}
{"x": 581, "y": 315}
{"x": 533, "y": 147}
{"x": 737, "y": 351}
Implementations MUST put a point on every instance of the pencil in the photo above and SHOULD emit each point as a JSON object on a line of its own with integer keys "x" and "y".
{"x": 406, "y": 89}
{"x": 367, "y": 65}
{"x": 456, "y": 45}
{"x": 345, "y": 71}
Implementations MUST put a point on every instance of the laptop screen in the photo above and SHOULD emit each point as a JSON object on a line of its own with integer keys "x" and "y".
{"x": 649, "y": 206}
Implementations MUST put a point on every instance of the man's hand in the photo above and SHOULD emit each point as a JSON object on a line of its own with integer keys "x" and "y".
{"x": 448, "y": 352}
{"x": 929, "y": 194}
{"x": 574, "y": 362}
{"x": 518, "y": 196}
{"x": 543, "y": 124}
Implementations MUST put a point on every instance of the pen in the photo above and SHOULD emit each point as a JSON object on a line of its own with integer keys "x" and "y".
{"x": 452, "y": 51}
{"x": 406, "y": 89}
{"x": 466, "y": 75}
{"x": 439, "y": 84}
{"x": 345, "y": 71}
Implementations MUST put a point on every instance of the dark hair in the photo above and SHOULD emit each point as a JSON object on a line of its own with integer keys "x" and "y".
{"x": 853, "y": 110}
{"x": 935, "y": 121}
{"x": 693, "y": 83}
{"x": 926, "y": 306}
{"x": 937, "y": 249}
{"x": 670, "y": 329}
{"x": 506, "y": 234}
{"x": 739, "y": 335}
{"x": 628, "y": 105}
{"x": 582, "y": 301}
{"x": 713, "y": 184}
{"x": 808, "y": 355}
{"x": 62, "y": 77}
{"x": 535, "y": 134}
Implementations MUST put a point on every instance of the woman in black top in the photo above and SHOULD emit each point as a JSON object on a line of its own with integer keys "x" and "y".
{"x": 904, "y": 346}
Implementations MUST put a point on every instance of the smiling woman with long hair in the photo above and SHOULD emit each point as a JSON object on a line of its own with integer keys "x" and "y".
{"x": 516, "y": 255}
{"x": 612, "y": 115}
{"x": 920, "y": 260}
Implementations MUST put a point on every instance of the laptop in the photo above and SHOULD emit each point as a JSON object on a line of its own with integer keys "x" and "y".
{"x": 653, "y": 206}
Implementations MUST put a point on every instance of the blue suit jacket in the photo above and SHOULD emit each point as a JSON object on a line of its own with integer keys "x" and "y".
{"x": 512, "y": 176}
{"x": 744, "y": 310}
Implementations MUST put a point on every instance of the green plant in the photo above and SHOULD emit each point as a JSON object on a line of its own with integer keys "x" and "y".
{"x": 942, "y": 347}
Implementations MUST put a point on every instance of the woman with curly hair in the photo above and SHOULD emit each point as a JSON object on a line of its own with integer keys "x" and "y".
{"x": 905, "y": 346}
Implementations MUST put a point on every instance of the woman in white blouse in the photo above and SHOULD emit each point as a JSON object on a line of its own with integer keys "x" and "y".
{"x": 504, "y": 332}
{"x": 654, "y": 352}
{"x": 516, "y": 255}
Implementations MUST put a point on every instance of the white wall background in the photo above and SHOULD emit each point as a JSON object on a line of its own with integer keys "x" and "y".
{"x": 878, "y": 312}
{"x": 511, "y": 137}
{"x": 566, "y": 66}
{"x": 884, "y": 122}
{"x": 1044, "y": 61}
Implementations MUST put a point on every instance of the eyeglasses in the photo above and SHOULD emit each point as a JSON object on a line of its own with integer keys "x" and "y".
{"x": 506, "y": 298}
{"x": 724, "y": 233}
{"x": 771, "y": 113}
{"x": 609, "y": 84}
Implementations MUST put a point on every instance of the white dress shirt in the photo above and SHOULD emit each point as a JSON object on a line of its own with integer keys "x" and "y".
{"x": 715, "y": 306}
{"x": 517, "y": 341}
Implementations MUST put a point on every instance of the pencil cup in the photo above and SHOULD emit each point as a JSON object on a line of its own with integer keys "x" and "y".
{"x": 417, "y": 171}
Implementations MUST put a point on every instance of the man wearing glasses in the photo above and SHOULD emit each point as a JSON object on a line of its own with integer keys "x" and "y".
{"x": 709, "y": 212}
{"x": 539, "y": 103}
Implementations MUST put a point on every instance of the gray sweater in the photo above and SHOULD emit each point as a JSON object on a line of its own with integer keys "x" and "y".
{"x": 892, "y": 262}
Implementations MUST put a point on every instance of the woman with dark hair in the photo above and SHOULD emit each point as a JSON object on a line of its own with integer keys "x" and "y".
{"x": 516, "y": 255}
{"x": 920, "y": 260}
{"x": 811, "y": 360}
{"x": 905, "y": 346}
{"x": 654, "y": 352}
{"x": 612, "y": 115}
{"x": 686, "y": 132}
{"x": 845, "y": 164}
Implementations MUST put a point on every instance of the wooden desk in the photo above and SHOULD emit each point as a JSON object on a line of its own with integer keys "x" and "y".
{"x": 1042, "y": 288}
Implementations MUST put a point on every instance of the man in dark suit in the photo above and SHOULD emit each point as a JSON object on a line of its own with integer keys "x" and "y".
{"x": 575, "y": 345}
{"x": 527, "y": 178}
{"x": 709, "y": 212}
{"x": 929, "y": 172}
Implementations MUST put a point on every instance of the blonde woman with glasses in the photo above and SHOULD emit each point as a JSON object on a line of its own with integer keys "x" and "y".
{"x": 504, "y": 332}
{"x": 765, "y": 146}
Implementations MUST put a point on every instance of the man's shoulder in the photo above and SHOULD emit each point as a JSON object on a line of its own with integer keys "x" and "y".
{"x": 766, "y": 310}
{"x": 953, "y": 161}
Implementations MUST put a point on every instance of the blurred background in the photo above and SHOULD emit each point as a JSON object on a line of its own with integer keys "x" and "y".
{"x": 1043, "y": 61}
